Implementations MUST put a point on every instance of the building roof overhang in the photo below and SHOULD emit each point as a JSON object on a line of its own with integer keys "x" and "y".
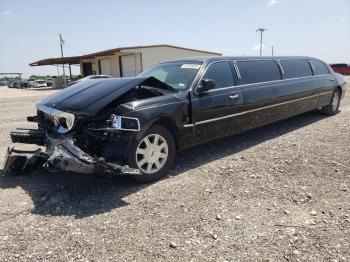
{"x": 77, "y": 59}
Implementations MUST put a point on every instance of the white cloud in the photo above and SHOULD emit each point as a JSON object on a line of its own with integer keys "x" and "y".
{"x": 6, "y": 13}
{"x": 257, "y": 47}
{"x": 343, "y": 20}
{"x": 273, "y": 2}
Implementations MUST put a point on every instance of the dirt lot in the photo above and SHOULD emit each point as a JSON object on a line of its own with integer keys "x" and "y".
{"x": 281, "y": 192}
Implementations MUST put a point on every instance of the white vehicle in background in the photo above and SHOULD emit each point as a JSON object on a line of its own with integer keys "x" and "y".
{"x": 31, "y": 82}
{"x": 87, "y": 78}
{"x": 40, "y": 83}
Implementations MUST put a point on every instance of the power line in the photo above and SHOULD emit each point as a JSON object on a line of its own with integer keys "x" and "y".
{"x": 61, "y": 44}
{"x": 261, "y": 30}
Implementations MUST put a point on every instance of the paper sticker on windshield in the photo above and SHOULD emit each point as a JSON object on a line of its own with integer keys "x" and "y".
{"x": 191, "y": 66}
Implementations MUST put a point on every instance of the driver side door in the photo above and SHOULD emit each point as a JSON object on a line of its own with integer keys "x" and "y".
{"x": 213, "y": 111}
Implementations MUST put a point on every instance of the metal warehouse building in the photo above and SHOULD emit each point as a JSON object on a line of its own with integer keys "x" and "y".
{"x": 125, "y": 61}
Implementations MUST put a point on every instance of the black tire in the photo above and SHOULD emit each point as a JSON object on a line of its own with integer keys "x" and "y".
{"x": 330, "y": 109}
{"x": 165, "y": 133}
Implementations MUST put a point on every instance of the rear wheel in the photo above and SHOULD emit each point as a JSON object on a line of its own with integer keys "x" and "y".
{"x": 153, "y": 154}
{"x": 333, "y": 106}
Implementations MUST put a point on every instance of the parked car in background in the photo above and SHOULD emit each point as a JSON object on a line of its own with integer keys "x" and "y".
{"x": 48, "y": 82}
{"x": 4, "y": 83}
{"x": 88, "y": 78}
{"x": 19, "y": 84}
{"x": 31, "y": 82}
{"x": 24, "y": 84}
{"x": 11, "y": 84}
{"x": 343, "y": 69}
{"x": 134, "y": 125}
{"x": 40, "y": 83}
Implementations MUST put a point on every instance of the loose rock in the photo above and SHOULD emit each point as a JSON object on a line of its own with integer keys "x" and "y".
{"x": 313, "y": 213}
{"x": 296, "y": 252}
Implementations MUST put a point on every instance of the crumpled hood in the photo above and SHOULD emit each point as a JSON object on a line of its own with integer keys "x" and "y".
{"x": 89, "y": 97}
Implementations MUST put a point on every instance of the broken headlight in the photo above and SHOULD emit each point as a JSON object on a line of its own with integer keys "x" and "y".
{"x": 66, "y": 120}
{"x": 62, "y": 120}
{"x": 125, "y": 123}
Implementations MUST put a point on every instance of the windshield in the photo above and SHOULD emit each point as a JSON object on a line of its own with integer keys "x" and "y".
{"x": 176, "y": 75}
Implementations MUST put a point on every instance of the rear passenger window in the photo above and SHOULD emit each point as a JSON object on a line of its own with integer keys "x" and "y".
{"x": 258, "y": 71}
{"x": 221, "y": 73}
{"x": 319, "y": 68}
{"x": 296, "y": 68}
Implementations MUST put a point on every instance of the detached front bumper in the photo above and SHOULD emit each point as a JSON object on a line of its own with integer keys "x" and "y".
{"x": 61, "y": 154}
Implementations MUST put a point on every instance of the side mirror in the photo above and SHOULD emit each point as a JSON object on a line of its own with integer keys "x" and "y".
{"x": 205, "y": 85}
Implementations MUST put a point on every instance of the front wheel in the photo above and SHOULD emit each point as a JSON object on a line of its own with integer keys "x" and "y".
{"x": 333, "y": 106}
{"x": 153, "y": 154}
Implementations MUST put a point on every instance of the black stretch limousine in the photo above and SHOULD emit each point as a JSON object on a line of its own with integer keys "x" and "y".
{"x": 135, "y": 125}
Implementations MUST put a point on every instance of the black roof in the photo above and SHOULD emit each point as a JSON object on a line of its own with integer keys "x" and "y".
{"x": 202, "y": 59}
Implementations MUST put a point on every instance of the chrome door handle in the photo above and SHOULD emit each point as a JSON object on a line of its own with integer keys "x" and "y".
{"x": 332, "y": 79}
{"x": 233, "y": 96}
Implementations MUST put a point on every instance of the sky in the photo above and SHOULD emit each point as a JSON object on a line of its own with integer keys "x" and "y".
{"x": 29, "y": 30}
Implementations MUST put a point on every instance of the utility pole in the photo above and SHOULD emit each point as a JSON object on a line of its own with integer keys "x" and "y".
{"x": 261, "y": 30}
{"x": 61, "y": 44}
{"x": 272, "y": 51}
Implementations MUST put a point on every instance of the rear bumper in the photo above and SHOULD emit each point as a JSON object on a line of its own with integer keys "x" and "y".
{"x": 61, "y": 154}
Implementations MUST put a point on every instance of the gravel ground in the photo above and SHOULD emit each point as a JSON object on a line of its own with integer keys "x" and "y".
{"x": 277, "y": 193}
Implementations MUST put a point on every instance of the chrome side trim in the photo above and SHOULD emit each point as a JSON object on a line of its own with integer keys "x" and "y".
{"x": 165, "y": 104}
{"x": 312, "y": 67}
{"x": 281, "y": 68}
{"x": 257, "y": 109}
{"x": 258, "y": 83}
{"x": 237, "y": 70}
{"x": 220, "y": 89}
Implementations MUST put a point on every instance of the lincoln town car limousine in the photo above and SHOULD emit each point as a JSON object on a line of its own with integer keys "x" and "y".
{"x": 134, "y": 125}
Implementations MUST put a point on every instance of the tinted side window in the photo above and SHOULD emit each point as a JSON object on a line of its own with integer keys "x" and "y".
{"x": 319, "y": 67}
{"x": 296, "y": 68}
{"x": 258, "y": 71}
{"x": 221, "y": 73}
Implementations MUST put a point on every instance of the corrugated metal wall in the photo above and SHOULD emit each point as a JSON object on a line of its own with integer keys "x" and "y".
{"x": 147, "y": 56}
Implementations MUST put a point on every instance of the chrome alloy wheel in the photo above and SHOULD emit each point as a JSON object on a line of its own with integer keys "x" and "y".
{"x": 335, "y": 101}
{"x": 152, "y": 153}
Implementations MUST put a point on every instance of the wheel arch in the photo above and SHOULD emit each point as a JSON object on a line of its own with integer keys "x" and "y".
{"x": 340, "y": 90}
{"x": 169, "y": 124}
{"x": 164, "y": 121}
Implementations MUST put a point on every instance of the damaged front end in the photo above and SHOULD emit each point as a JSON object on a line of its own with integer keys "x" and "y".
{"x": 80, "y": 127}
{"x": 61, "y": 154}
